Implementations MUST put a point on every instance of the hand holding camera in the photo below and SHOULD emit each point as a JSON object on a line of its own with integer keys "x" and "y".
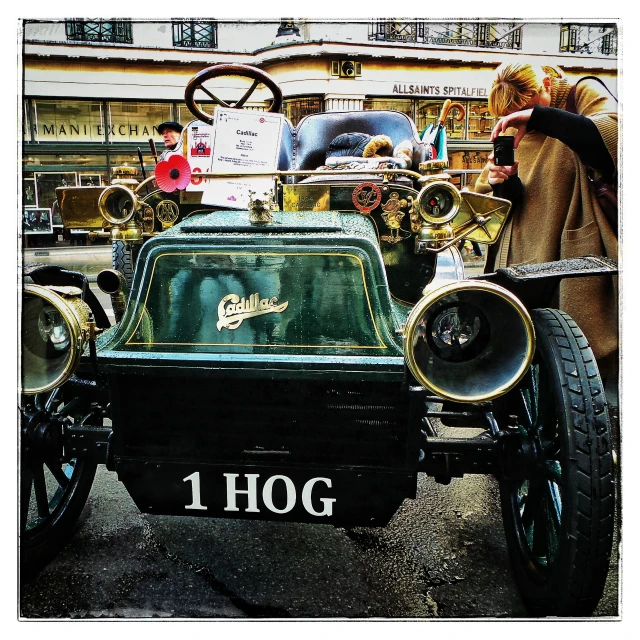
{"x": 500, "y": 173}
{"x": 517, "y": 120}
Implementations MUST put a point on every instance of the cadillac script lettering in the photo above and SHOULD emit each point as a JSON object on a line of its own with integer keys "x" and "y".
{"x": 233, "y": 311}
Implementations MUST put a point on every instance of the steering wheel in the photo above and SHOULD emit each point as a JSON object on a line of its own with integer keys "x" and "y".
{"x": 258, "y": 76}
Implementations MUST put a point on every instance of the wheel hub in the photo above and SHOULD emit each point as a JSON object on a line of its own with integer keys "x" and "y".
{"x": 41, "y": 436}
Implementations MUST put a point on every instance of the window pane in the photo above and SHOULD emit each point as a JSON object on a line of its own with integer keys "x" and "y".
{"x": 26, "y": 122}
{"x": 404, "y": 106}
{"x": 297, "y": 108}
{"x": 481, "y": 122}
{"x": 68, "y": 121}
{"x": 136, "y": 121}
{"x": 99, "y": 31}
{"x": 46, "y": 184}
{"x": 132, "y": 160}
{"x": 428, "y": 113}
{"x": 203, "y": 33}
{"x": 185, "y": 116}
{"x": 65, "y": 162}
{"x": 195, "y": 34}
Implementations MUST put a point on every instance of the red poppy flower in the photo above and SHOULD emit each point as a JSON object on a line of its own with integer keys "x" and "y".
{"x": 173, "y": 173}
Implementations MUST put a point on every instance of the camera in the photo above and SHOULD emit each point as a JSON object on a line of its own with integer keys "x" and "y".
{"x": 503, "y": 155}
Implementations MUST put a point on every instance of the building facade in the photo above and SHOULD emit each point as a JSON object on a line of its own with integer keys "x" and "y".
{"x": 94, "y": 92}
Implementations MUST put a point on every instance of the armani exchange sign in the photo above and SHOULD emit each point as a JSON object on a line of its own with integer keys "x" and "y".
{"x": 69, "y": 132}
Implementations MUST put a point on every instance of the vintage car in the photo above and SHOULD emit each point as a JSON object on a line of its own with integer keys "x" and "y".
{"x": 295, "y": 359}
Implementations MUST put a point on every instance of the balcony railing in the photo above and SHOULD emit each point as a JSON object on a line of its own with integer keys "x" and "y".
{"x": 589, "y": 39}
{"x": 500, "y": 35}
{"x": 99, "y": 31}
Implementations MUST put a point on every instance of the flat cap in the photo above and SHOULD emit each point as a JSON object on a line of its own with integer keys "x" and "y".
{"x": 174, "y": 126}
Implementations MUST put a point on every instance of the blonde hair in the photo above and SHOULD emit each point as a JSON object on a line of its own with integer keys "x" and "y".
{"x": 514, "y": 86}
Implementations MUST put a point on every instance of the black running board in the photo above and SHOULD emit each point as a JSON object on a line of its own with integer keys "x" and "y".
{"x": 535, "y": 284}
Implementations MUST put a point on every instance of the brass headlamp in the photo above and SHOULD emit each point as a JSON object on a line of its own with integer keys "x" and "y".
{"x": 119, "y": 205}
{"x": 454, "y": 340}
{"x": 56, "y": 325}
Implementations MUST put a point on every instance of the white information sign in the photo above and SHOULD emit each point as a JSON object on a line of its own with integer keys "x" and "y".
{"x": 199, "y": 144}
{"x": 238, "y": 142}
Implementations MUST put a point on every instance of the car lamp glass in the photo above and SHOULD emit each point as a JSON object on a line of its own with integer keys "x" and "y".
{"x": 468, "y": 341}
{"x": 52, "y": 337}
{"x": 439, "y": 202}
{"x": 458, "y": 333}
{"x": 53, "y": 328}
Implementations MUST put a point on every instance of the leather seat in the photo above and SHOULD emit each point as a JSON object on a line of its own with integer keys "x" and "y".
{"x": 285, "y": 160}
{"x": 315, "y": 132}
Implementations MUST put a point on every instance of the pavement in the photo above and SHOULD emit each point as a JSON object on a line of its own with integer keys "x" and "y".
{"x": 88, "y": 260}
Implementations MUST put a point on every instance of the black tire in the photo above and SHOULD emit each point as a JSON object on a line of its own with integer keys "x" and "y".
{"x": 559, "y": 522}
{"x": 53, "y": 494}
{"x": 123, "y": 259}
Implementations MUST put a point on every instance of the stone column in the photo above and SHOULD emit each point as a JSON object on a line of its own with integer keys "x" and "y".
{"x": 342, "y": 102}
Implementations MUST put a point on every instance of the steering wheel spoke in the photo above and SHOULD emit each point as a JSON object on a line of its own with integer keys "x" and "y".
{"x": 247, "y": 95}
{"x": 215, "y": 99}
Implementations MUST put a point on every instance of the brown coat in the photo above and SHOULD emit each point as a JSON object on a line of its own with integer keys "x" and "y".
{"x": 560, "y": 217}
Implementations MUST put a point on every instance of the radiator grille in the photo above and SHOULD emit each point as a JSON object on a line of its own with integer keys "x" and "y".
{"x": 262, "y": 421}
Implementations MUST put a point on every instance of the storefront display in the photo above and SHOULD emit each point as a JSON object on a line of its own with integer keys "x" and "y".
{"x": 36, "y": 221}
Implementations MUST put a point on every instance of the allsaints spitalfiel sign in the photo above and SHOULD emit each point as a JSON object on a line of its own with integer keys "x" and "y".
{"x": 446, "y": 91}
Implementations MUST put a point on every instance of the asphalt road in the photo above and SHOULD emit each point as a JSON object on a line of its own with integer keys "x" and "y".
{"x": 443, "y": 555}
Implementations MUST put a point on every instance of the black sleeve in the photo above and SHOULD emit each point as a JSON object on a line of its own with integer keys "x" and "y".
{"x": 578, "y": 132}
{"x": 510, "y": 189}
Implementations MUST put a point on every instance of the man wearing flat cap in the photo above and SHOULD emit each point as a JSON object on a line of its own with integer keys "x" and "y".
{"x": 170, "y": 132}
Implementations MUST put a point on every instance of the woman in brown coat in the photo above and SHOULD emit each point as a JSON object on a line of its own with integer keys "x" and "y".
{"x": 555, "y": 214}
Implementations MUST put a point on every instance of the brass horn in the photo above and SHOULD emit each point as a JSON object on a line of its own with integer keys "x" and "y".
{"x": 454, "y": 340}
{"x": 117, "y": 204}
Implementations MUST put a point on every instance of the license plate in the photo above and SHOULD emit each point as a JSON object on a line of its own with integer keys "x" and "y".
{"x": 266, "y": 493}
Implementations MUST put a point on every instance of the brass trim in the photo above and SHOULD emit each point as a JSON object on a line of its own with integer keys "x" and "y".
{"x": 381, "y": 344}
{"x": 76, "y": 313}
{"x": 167, "y": 212}
{"x": 102, "y": 204}
{"x": 314, "y": 172}
{"x": 432, "y": 295}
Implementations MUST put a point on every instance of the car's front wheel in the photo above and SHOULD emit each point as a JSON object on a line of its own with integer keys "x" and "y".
{"x": 559, "y": 517}
{"x": 53, "y": 490}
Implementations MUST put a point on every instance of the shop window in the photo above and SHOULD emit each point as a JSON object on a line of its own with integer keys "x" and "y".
{"x": 481, "y": 122}
{"x": 64, "y": 162}
{"x": 428, "y": 112}
{"x": 136, "y": 121}
{"x": 472, "y": 178}
{"x": 132, "y": 160}
{"x": 46, "y": 185}
{"x": 43, "y": 174}
{"x": 200, "y": 35}
{"x": 68, "y": 121}
{"x": 469, "y": 160}
{"x": 404, "y": 106}
{"x": 297, "y": 108}
{"x": 99, "y": 31}
{"x": 26, "y": 122}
